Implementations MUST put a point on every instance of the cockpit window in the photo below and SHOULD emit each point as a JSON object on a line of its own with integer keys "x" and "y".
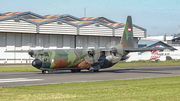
{"x": 46, "y": 54}
{"x": 40, "y": 54}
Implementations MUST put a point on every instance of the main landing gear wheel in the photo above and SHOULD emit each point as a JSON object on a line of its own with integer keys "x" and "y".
{"x": 91, "y": 70}
{"x": 76, "y": 71}
{"x": 45, "y": 71}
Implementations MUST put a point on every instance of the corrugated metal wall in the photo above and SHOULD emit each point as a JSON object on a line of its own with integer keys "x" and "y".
{"x": 21, "y": 26}
{"x": 28, "y": 40}
{"x": 54, "y": 28}
{"x": 60, "y": 41}
{"x": 3, "y": 39}
{"x": 137, "y": 32}
{"x": 104, "y": 41}
{"x": 101, "y": 41}
{"x": 46, "y": 43}
{"x": 68, "y": 41}
{"x": 92, "y": 29}
{"x": 118, "y": 31}
{"x": 81, "y": 41}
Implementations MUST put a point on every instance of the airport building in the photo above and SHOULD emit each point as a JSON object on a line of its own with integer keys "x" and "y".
{"x": 164, "y": 41}
{"x": 28, "y": 30}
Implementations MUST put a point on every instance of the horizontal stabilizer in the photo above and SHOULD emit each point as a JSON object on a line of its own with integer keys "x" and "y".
{"x": 142, "y": 49}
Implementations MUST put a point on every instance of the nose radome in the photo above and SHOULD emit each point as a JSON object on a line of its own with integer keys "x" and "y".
{"x": 37, "y": 63}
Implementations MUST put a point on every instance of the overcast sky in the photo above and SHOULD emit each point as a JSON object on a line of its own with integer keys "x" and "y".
{"x": 157, "y": 16}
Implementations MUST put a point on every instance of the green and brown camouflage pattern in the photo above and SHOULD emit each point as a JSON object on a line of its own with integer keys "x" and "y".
{"x": 56, "y": 59}
{"x": 127, "y": 39}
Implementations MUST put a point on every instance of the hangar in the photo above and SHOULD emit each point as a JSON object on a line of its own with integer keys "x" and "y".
{"x": 27, "y": 30}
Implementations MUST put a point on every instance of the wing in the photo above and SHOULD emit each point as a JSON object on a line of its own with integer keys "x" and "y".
{"x": 32, "y": 53}
{"x": 17, "y": 51}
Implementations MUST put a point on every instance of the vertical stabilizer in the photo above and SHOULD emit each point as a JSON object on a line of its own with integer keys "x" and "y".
{"x": 127, "y": 39}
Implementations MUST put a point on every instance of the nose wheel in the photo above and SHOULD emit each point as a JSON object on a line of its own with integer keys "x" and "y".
{"x": 45, "y": 71}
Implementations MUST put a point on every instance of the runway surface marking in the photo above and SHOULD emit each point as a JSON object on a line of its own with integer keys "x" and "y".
{"x": 18, "y": 80}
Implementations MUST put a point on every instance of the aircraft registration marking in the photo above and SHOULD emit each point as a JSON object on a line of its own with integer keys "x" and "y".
{"x": 18, "y": 80}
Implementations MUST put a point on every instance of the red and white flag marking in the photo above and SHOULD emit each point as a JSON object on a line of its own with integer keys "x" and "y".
{"x": 129, "y": 28}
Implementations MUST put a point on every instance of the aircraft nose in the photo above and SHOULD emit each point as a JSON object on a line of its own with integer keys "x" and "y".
{"x": 37, "y": 63}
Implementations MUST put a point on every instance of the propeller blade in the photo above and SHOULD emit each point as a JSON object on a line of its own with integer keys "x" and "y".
{"x": 114, "y": 52}
{"x": 91, "y": 52}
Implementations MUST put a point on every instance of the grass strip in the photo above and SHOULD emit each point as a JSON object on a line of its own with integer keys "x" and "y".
{"x": 146, "y": 63}
{"x": 18, "y": 69}
{"x": 149, "y": 89}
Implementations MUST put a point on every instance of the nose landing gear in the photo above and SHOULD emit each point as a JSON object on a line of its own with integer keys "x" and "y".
{"x": 46, "y": 71}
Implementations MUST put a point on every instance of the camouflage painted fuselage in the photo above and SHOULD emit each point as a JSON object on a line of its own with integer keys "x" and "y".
{"x": 57, "y": 59}
{"x": 68, "y": 59}
{"x": 65, "y": 59}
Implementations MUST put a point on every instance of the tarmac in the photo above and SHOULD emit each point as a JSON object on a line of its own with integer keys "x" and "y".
{"x": 13, "y": 79}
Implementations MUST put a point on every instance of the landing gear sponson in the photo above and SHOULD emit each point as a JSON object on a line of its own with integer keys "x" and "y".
{"x": 75, "y": 70}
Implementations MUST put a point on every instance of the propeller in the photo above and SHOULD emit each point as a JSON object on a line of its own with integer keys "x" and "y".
{"x": 32, "y": 53}
{"x": 114, "y": 53}
{"x": 91, "y": 52}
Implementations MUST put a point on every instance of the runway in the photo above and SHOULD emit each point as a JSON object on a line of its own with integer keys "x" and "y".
{"x": 13, "y": 79}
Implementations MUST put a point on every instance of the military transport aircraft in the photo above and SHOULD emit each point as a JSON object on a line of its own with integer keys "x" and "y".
{"x": 90, "y": 57}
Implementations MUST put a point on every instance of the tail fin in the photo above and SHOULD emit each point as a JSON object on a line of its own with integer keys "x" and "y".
{"x": 127, "y": 39}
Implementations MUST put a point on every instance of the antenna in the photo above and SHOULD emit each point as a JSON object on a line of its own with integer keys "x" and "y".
{"x": 84, "y": 12}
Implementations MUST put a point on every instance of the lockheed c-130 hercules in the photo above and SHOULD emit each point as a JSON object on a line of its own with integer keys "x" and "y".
{"x": 90, "y": 57}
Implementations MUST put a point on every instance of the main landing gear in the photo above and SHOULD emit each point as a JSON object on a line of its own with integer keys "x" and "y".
{"x": 92, "y": 70}
{"x": 75, "y": 70}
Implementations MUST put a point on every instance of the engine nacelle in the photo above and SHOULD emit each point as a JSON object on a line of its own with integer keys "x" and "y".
{"x": 115, "y": 54}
